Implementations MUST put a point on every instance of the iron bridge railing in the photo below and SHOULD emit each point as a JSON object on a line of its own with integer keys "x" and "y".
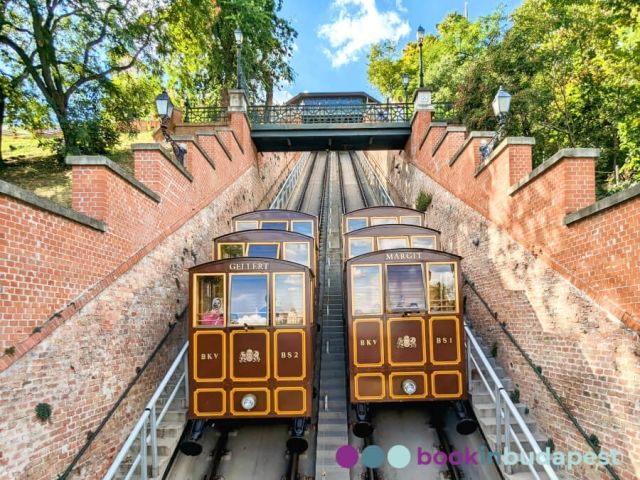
{"x": 205, "y": 114}
{"x": 335, "y": 113}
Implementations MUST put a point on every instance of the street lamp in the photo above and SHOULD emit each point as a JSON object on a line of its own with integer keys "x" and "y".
{"x": 420, "y": 36}
{"x": 164, "y": 107}
{"x": 501, "y": 104}
{"x": 239, "y": 37}
{"x": 405, "y": 85}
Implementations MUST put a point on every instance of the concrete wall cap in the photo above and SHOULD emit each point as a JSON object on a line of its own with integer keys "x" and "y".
{"x": 451, "y": 128}
{"x": 474, "y": 134}
{"x": 13, "y": 191}
{"x": 553, "y": 160}
{"x": 501, "y": 146}
{"x": 194, "y": 140}
{"x": 167, "y": 155}
{"x": 436, "y": 124}
{"x": 604, "y": 204}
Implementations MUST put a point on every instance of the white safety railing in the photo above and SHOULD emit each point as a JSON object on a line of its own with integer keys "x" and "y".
{"x": 505, "y": 410}
{"x": 146, "y": 430}
{"x": 380, "y": 192}
{"x": 290, "y": 183}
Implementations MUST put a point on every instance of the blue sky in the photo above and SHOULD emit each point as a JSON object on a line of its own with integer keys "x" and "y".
{"x": 334, "y": 36}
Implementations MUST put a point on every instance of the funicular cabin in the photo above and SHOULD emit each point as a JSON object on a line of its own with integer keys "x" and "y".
{"x": 251, "y": 339}
{"x": 386, "y": 237}
{"x": 405, "y": 326}
{"x": 287, "y": 220}
{"x": 383, "y": 215}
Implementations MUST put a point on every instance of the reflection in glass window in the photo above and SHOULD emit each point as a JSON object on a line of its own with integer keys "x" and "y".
{"x": 289, "y": 299}
{"x": 249, "y": 300}
{"x": 405, "y": 288}
{"x": 304, "y": 227}
{"x": 297, "y": 252}
{"x": 389, "y": 243}
{"x": 274, "y": 225}
{"x": 262, "y": 250}
{"x": 442, "y": 288}
{"x": 423, "y": 242}
{"x": 231, "y": 250}
{"x": 356, "y": 224}
{"x": 411, "y": 220}
{"x": 210, "y": 301}
{"x": 384, "y": 221}
{"x": 366, "y": 294}
{"x": 360, "y": 246}
{"x": 246, "y": 225}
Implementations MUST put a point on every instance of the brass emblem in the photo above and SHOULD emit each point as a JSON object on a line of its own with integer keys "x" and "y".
{"x": 406, "y": 342}
{"x": 250, "y": 356}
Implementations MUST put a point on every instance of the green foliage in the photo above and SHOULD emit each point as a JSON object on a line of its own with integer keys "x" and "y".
{"x": 423, "y": 201}
{"x": 494, "y": 350}
{"x": 515, "y": 396}
{"x": 43, "y": 411}
{"x": 10, "y": 350}
{"x": 595, "y": 442}
{"x": 550, "y": 445}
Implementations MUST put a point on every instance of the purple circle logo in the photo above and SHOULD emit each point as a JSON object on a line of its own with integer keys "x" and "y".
{"x": 347, "y": 456}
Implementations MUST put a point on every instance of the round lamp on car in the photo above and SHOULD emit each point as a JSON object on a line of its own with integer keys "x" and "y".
{"x": 248, "y": 401}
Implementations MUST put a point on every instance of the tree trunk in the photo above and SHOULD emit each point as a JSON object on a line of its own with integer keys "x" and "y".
{"x": 68, "y": 136}
{"x": 2, "y": 104}
{"x": 269, "y": 91}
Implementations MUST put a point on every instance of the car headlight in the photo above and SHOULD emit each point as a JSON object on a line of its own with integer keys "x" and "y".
{"x": 409, "y": 386}
{"x": 248, "y": 401}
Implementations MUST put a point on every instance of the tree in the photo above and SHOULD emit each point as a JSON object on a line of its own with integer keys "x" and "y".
{"x": 68, "y": 48}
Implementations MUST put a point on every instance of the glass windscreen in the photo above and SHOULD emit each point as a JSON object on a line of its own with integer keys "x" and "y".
{"x": 423, "y": 242}
{"x": 366, "y": 293}
{"x": 405, "y": 288}
{"x": 210, "y": 301}
{"x": 246, "y": 225}
{"x": 384, "y": 221}
{"x": 304, "y": 227}
{"x": 289, "y": 298}
{"x": 249, "y": 300}
{"x": 297, "y": 252}
{"x": 262, "y": 250}
{"x": 274, "y": 225}
{"x": 389, "y": 243}
{"x": 442, "y": 288}
{"x": 410, "y": 220}
{"x": 356, "y": 224}
{"x": 360, "y": 246}
{"x": 231, "y": 250}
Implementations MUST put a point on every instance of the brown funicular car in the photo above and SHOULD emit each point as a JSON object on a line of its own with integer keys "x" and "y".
{"x": 382, "y": 215}
{"x": 386, "y": 237}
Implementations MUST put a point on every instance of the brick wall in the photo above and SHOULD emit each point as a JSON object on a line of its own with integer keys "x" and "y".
{"x": 539, "y": 275}
{"x": 117, "y": 281}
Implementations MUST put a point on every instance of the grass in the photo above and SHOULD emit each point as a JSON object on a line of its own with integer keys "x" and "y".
{"x": 33, "y": 167}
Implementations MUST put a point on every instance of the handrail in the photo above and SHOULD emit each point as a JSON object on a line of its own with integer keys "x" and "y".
{"x": 289, "y": 184}
{"x": 149, "y": 416}
{"x": 373, "y": 178}
{"x": 501, "y": 398}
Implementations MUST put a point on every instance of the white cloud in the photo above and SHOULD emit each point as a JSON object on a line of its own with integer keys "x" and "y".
{"x": 281, "y": 96}
{"x": 359, "y": 25}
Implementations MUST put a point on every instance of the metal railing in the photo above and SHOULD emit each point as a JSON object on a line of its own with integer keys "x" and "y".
{"x": 290, "y": 183}
{"x": 335, "y": 113}
{"x": 146, "y": 430}
{"x": 505, "y": 409}
{"x": 379, "y": 191}
{"x": 445, "y": 112}
{"x": 205, "y": 114}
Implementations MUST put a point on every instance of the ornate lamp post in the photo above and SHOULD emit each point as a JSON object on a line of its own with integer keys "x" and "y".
{"x": 420, "y": 36}
{"x": 405, "y": 85}
{"x": 164, "y": 107}
{"x": 239, "y": 37}
{"x": 501, "y": 104}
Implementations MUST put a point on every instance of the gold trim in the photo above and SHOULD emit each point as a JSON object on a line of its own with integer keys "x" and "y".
{"x": 267, "y": 356}
{"x": 255, "y": 244}
{"x": 195, "y": 303}
{"x": 408, "y": 374}
{"x": 368, "y": 397}
{"x": 309, "y": 246}
{"x": 456, "y": 321}
{"x": 419, "y": 217}
{"x": 346, "y": 223}
{"x": 251, "y": 413}
{"x": 381, "y": 296}
{"x": 389, "y": 343}
{"x": 290, "y": 412}
{"x": 369, "y": 239}
{"x": 446, "y": 395}
{"x": 399, "y": 237}
{"x": 225, "y": 244}
{"x": 209, "y": 414}
{"x": 355, "y": 342}
{"x": 254, "y": 225}
{"x": 433, "y": 237}
{"x": 457, "y": 292}
{"x": 373, "y": 220}
{"x": 284, "y": 220}
{"x": 313, "y": 230}
{"x": 303, "y": 354}
{"x": 223, "y": 354}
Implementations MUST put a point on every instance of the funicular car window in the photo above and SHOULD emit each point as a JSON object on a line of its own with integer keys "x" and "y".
{"x": 410, "y": 220}
{"x": 267, "y": 250}
{"x": 360, "y": 246}
{"x": 423, "y": 242}
{"x": 389, "y": 243}
{"x": 274, "y": 226}
{"x": 288, "y": 291}
{"x": 297, "y": 252}
{"x": 210, "y": 301}
{"x": 384, "y": 221}
{"x": 356, "y": 224}
{"x": 442, "y": 287}
{"x": 249, "y": 299}
{"x": 405, "y": 288}
{"x": 246, "y": 225}
{"x": 366, "y": 289}
{"x": 230, "y": 250}
{"x": 305, "y": 227}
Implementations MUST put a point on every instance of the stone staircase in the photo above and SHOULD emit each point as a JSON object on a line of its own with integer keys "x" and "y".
{"x": 485, "y": 410}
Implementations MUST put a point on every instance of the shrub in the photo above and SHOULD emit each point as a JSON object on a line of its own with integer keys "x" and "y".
{"x": 423, "y": 201}
{"x": 43, "y": 411}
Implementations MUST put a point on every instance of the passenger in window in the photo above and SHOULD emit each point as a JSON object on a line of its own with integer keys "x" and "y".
{"x": 215, "y": 316}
